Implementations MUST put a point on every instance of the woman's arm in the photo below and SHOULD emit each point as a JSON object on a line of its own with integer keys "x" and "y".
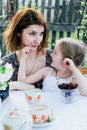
{"x": 22, "y": 69}
{"x": 16, "y": 85}
{"x": 31, "y": 78}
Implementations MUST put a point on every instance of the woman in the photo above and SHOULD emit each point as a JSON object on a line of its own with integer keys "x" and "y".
{"x": 27, "y": 29}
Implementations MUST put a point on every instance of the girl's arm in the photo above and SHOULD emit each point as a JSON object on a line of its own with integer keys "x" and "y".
{"x": 79, "y": 78}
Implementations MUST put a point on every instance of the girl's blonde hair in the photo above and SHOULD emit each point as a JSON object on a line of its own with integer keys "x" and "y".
{"x": 73, "y": 49}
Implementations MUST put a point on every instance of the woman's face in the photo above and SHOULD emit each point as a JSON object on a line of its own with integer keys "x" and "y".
{"x": 32, "y": 36}
{"x": 57, "y": 58}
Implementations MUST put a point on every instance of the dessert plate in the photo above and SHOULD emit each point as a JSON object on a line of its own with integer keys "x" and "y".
{"x": 43, "y": 124}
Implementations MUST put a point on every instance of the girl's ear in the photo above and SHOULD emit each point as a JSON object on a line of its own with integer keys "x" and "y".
{"x": 65, "y": 62}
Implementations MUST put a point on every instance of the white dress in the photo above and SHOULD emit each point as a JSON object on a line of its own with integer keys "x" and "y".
{"x": 50, "y": 83}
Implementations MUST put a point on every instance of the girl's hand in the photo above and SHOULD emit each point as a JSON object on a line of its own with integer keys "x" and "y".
{"x": 67, "y": 62}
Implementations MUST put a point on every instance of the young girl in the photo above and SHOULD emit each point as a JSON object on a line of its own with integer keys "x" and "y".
{"x": 67, "y": 56}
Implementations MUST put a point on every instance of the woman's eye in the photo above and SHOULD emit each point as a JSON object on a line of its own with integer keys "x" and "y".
{"x": 32, "y": 33}
{"x": 42, "y": 34}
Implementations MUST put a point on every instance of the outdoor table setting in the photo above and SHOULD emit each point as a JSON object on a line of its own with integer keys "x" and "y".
{"x": 65, "y": 116}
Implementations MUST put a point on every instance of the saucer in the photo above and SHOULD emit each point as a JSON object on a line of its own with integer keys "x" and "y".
{"x": 42, "y": 125}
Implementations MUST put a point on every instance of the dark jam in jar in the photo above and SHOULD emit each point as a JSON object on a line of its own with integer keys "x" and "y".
{"x": 68, "y": 86}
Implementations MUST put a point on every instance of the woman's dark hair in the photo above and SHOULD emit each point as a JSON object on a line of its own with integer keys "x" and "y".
{"x": 21, "y": 20}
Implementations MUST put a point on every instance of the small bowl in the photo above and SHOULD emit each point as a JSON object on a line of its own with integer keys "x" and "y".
{"x": 69, "y": 92}
{"x": 70, "y": 95}
{"x": 33, "y": 96}
{"x": 39, "y": 113}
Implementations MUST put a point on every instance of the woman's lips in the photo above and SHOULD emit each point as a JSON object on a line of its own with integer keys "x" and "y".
{"x": 34, "y": 46}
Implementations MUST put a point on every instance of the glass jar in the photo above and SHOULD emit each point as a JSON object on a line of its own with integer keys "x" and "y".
{"x": 17, "y": 119}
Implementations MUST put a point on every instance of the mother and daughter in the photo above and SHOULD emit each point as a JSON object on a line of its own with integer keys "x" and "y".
{"x": 67, "y": 56}
{"x": 26, "y": 38}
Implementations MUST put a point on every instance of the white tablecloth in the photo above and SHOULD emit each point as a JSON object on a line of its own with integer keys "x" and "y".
{"x": 71, "y": 116}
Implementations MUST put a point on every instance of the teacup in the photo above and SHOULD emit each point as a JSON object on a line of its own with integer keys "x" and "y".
{"x": 40, "y": 113}
{"x": 33, "y": 96}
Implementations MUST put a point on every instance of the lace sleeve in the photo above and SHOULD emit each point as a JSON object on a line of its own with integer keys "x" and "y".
{"x": 48, "y": 57}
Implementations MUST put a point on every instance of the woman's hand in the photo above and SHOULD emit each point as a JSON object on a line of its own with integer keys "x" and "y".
{"x": 24, "y": 52}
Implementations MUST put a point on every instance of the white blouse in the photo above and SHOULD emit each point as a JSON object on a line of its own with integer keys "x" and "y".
{"x": 50, "y": 82}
